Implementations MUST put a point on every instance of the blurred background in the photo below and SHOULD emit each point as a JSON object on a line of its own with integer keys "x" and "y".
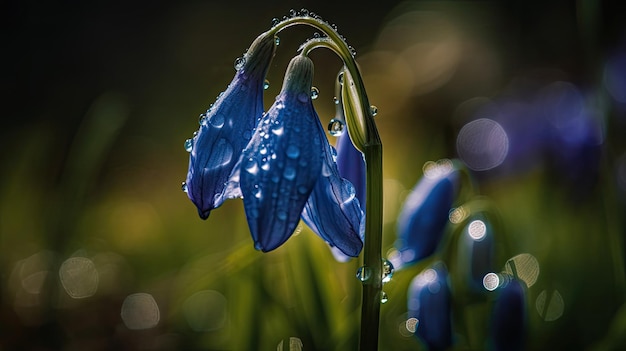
{"x": 100, "y": 249}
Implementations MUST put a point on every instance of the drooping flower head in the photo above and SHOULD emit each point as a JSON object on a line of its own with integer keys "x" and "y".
{"x": 429, "y": 303}
{"x": 289, "y": 164}
{"x": 425, "y": 212}
{"x": 282, "y": 162}
{"x": 226, "y": 128}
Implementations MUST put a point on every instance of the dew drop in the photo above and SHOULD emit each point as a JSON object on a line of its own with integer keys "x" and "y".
{"x": 316, "y": 35}
{"x": 334, "y": 27}
{"x": 188, "y": 145}
{"x": 258, "y": 193}
{"x": 289, "y": 173}
{"x": 314, "y": 93}
{"x": 217, "y": 120}
{"x": 335, "y": 127}
{"x": 302, "y": 189}
{"x": 303, "y": 97}
{"x": 340, "y": 78}
{"x": 266, "y": 84}
{"x": 383, "y": 297}
{"x": 363, "y": 273}
{"x": 275, "y": 22}
{"x": 278, "y": 131}
{"x": 282, "y": 215}
{"x": 304, "y": 12}
{"x": 239, "y": 62}
{"x": 293, "y": 151}
{"x": 252, "y": 166}
{"x": 276, "y": 40}
{"x": 335, "y": 100}
{"x": 201, "y": 119}
{"x": 184, "y": 187}
{"x": 373, "y": 110}
{"x": 292, "y": 13}
{"x": 387, "y": 271}
{"x": 257, "y": 245}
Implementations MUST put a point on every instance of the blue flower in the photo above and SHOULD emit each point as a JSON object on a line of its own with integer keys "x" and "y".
{"x": 287, "y": 170}
{"x": 476, "y": 251}
{"x": 227, "y": 128}
{"x": 425, "y": 213}
{"x": 351, "y": 165}
{"x": 508, "y": 323}
{"x": 429, "y": 303}
{"x": 333, "y": 210}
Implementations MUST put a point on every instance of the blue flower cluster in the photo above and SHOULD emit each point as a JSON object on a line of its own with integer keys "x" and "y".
{"x": 279, "y": 162}
{"x": 429, "y": 227}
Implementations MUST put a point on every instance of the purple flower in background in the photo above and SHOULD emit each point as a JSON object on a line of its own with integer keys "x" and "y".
{"x": 430, "y": 306}
{"x": 508, "y": 323}
{"x": 425, "y": 213}
{"x": 226, "y": 128}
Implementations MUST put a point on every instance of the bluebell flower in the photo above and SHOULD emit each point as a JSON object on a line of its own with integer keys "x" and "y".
{"x": 429, "y": 302}
{"x": 287, "y": 170}
{"x": 476, "y": 251}
{"x": 227, "y": 127}
{"x": 425, "y": 213}
{"x": 351, "y": 165}
{"x": 508, "y": 323}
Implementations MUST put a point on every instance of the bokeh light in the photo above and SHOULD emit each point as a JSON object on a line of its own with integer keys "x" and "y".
{"x": 482, "y": 144}
{"x": 524, "y": 267}
{"x": 79, "y": 277}
{"x": 140, "y": 311}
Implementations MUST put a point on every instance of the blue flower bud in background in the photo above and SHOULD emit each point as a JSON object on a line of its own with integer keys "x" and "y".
{"x": 425, "y": 212}
{"x": 475, "y": 251}
{"x": 283, "y": 161}
{"x": 226, "y": 129}
{"x": 508, "y": 321}
{"x": 429, "y": 303}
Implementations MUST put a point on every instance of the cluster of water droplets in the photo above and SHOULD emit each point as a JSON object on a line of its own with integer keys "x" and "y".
{"x": 364, "y": 273}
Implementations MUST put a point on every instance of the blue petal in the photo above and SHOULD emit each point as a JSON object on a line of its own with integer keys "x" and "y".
{"x": 351, "y": 165}
{"x": 425, "y": 214}
{"x": 333, "y": 211}
{"x": 428, "y": 301}
{"x": 226, "y": 130}
{"x": 282, "y": 162}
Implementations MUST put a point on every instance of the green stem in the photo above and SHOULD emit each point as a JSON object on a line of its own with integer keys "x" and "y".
{"x": 364, "y": 136}
{"x": 372, "y": 258}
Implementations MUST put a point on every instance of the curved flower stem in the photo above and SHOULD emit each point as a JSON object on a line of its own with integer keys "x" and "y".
{"x": 364, "y": 136}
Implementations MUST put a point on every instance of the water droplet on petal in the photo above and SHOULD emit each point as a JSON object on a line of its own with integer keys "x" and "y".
{"x": 373, "y": 110}
{"x": 201, "y": 119}
{"x": 266, "y": 84}
{"x": 387, "y": 271}
{"x": 239, "y": 62}
{"x": 184, "y": 187}
{"x": 383, "y": 297}
{"x": 278, "y": 131}
{"x": 217, "y": 120}
{"x": 314, "y": 93}
{"x": 252, "y": 167}
{"x": 257, "y": 245}
{"x": 293, "y": 151}
{"x": 282, "y": 215}
{"x": 289, "y": 173}
{"x": 303, "y": 97}
{"x": 335, "y": 127}
{"x": 188, "y": 145}
{"x": 363, "y": 273}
